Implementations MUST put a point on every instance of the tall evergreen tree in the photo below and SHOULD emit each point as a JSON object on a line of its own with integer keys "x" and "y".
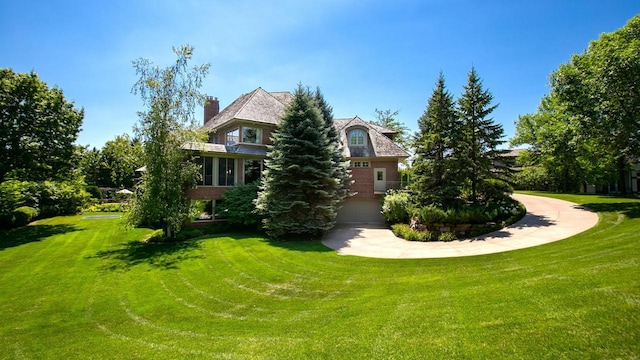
{"x": 480, "y": 135}
{"x": 339, "y": 162}
{"x": 435, "y": 179}
{"x": 299, "y": 194}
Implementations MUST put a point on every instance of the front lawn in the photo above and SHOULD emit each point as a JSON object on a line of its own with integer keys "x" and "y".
{"x": 85, "y": 288}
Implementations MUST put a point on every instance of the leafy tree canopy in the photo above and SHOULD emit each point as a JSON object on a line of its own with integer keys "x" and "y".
{"x": 38, "y": 127}
{"x": 170, "y": 95}
{"x": 387, "y": 118}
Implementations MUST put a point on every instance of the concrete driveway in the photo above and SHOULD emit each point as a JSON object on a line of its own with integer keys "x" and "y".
{"x": 547, "y": 220}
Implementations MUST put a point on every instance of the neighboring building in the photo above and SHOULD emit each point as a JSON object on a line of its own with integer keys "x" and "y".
{"x": 237, "y": 147}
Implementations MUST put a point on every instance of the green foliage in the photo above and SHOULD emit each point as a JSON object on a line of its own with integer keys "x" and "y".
{"x": 396, "y": 206}
{"x": 37, "y": 129}
{"x": 156, "y": 236}
{"x": 299, "y": 194}
{"x": 490, "y": 190}
{"x": 587, "y": 127}
{"x": 387, "y": 119}
{"x": 447, "y": 236}
{"x": 404, "y": 231}
{"x": 49, "y": 198}
{"x": 111, "y": 207}
{"x": 23, "y": 215}
{"x": 238, "y": 206}
{"x": 534, "y": 178}
{"x": 431, "y": 215}
{"x": 480, "y": 135}
{"x": 119, "y": 158}
{"x": 435, "y": 177}
{"x": 95, "y": 192}
{"x": 170, "y": 95}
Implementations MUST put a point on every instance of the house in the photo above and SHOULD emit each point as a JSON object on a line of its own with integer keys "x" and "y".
{"x": 237, "y": 147}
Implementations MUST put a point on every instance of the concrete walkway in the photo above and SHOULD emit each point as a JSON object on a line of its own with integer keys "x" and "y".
{"x": 547, "y": 220}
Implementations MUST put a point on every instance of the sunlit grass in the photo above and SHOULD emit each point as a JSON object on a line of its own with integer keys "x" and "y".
{"x": 77, "y": 288}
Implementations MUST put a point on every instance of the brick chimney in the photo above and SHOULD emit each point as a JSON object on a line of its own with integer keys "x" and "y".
{"x": 211, "y": 108}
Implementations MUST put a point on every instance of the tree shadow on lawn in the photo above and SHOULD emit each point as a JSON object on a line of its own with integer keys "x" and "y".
{"x": 164, "y": 256}
{"x": 528, "y": 221}
{"x": 630, "y": 209}
{"x": 32, "y": 233}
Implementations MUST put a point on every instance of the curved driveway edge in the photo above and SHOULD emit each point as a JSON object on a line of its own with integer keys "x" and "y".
{"x": 547, "y": 220}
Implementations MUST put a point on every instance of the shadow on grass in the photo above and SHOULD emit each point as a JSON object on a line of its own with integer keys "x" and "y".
{"x": 528, "y": 221}
{"x": 159, "y": 255}
{"x": 630, "y": 209}
{"x": 32, "y": 233}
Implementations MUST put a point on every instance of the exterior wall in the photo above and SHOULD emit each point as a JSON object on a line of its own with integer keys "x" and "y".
{"x": 363, "y": 177}
{"x": 207, "y": 192}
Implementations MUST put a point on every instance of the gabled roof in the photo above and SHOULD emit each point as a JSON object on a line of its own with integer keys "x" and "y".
{"x": 378, "y": 144}
{"x": 258, "y": 105}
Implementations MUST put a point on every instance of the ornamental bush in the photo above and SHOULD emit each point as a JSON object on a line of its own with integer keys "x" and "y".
{"x": 23, "y": 215}
{"x": 494, "y": 190}
{"x": 396, "y": 207}
{"x": 238, "y": 206}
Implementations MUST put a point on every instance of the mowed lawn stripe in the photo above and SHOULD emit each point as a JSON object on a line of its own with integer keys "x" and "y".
{"x": 90, "y": 289}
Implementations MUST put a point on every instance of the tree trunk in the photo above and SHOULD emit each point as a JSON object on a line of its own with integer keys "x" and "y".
{"x": 622, "y": 186}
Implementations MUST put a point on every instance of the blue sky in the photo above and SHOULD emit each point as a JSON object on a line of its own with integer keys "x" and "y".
{"x": 362, "y": 54}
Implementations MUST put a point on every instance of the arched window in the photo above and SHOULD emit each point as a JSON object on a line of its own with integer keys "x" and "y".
{"x": 357, "y": 137}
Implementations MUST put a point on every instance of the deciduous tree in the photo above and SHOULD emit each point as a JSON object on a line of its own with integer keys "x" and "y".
{"x": 170, "y": 95}
{"x": 601, "y": 87}
{"x": 38, "y": 127}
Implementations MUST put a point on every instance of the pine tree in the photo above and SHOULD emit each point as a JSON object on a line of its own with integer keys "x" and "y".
{"x": 480, "y": 135}
{"x": 339, "y": 162}
{"x": 434, "y": 180}
{"x": 299, "y": 194}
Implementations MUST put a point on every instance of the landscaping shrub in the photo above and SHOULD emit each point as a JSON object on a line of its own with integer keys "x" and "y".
{"x": 61, "y": 198}
{"x": 534, "y": 178}
{"x": 238, "y": 206}
{"x": 431, "y": 215}
{"x": 156, "y": 236}
{"x": 494, "y": 189}
{"x": 396, "y": 207}
{"x": 23, "y": 215}
{"x": 447, "y": 236}
{"x": 95, "y": 192}
{"x": 111, "y": 207}
{"x": 404, "y": 231}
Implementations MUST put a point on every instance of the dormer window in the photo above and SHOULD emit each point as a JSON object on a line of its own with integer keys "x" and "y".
{"x": 356, "y": 137}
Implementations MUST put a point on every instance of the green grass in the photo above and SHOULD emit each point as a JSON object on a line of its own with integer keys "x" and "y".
{"x": 76, "y": 288}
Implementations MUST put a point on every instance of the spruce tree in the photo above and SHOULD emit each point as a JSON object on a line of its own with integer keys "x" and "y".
{"x": 435, "y": 178}
{"x": 299, "y": 195}
{"x": 339, "y": 162}
{"x": 480, "y": 135}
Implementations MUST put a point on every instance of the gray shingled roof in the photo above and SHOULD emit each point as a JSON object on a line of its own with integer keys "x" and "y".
{"x": 257, "y": 105}
{"x": 378, "y": 145}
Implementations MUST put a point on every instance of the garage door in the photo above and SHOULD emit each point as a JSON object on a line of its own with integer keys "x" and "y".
{"x": 355, "y": 210}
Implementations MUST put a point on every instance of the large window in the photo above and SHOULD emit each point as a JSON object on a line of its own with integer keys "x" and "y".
{"x": 233, "y": 137}
{"x": 250, "y": 135}
{"x": 356, "y": 137}
{"x": 226, "y": 172}
{"x": 252, "y": 170}
{"x": 207, "y": 168}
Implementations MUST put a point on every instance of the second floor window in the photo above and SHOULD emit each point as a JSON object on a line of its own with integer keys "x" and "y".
{"x": 233, "y": 137}
{"x": 250, "y": 135}
{"x": 356, "y": 137}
